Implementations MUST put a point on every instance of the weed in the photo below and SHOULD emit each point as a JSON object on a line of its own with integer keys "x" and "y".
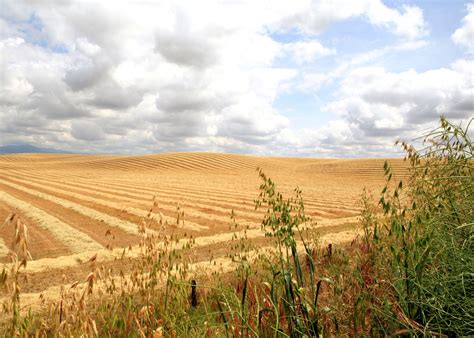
{"x": 409, "y": 273}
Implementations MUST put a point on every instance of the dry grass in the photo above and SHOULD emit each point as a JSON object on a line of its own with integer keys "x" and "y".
{"x": 107, "y": 200}
{"x": 71, "y": 237}
{"x": 116, "y": 190}
{"x": 221, "y": 265}
{"x": 271, "y": 271}
{"x": 94, "y": 214}
{"x": 3, "y": 248}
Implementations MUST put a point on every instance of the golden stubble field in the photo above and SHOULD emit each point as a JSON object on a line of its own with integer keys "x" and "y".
{"x": 77, "y": 206}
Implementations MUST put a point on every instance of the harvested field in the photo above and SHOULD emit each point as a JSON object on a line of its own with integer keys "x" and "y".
{"x": 42, "y": 242}
{"x": 79, "y": 205}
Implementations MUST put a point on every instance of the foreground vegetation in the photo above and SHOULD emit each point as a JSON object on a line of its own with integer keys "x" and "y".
{"x": 409, "y": 272}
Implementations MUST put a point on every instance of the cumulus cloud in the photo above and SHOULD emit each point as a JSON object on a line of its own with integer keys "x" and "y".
{"x": 87, "y": 131}
{"x": 110, "y": 95}
{"x": 408, "y": 23}
{"x": 101, "y": 62}
{"x": 33, "y": 83}
{"x": 186, "y": 48}
{"x": 179, "y": 99}
{"x": 178, "y": 75}
{"x": 464, "y": 36}
{"x": 86, "y": 73}
{"x": 252, "y": 122}
{"x": 380, "y": 106}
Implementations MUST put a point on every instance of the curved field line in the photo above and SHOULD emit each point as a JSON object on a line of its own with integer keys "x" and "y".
{"x": 105, "y": 166}
{"x": 40, "y": 241}
{"x": 218, "y": 212}
{"x": 133, "y": 196}
{"x": 322, "y": 204}
{"x": 134, "y": 163}
{"x": 92, "y": 213}
{"x": 75, "y": 240}
{"x": 113, "y": 221}
{"x": 140, "y": 188}
{"x": 207, "y": 212}
{"x": 205, "y": 165}
{"x": 218, "y": 164}
{"x": 312, "y": 202}
{"x": 205, "y": 158}
{"x": 224, "y": 206}
{"x": 175, "y": 161}
{"x": 206, "y": 193}
{"x": 105, "y": 197}
{"x": 175, "y": 183}
{"x": 151, "y": 163}
{"x": 99, "y": 231}
{"x": 236, "y": 164}
{"x": 124, "y": 163}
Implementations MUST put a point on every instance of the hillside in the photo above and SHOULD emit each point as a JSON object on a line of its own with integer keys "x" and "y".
{"x": 79, "y": 205}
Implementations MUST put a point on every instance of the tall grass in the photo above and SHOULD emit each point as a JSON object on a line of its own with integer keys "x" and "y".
{"x": 19, "y": 256}
{"x": 425, "y": 242}
{"x": 293, "y": 291}
{"x": 409, "y": 273}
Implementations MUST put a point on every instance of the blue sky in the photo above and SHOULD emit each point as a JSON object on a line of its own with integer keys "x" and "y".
{"x": 356, "y": 36}
{"x": 302, "y": 78}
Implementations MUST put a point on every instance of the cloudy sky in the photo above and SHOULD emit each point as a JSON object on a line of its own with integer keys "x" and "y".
{"x": 327, "y": 78}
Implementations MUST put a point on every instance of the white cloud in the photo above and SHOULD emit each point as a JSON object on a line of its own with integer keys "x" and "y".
{"x": 384, "y": 106}
{"x": 408, "y": 23}
{"x": 307, "y": 51}
{"x": 194, "y": 64}
{"x": 374, "y": 107}
{"x": 186, "y": 48}
{"x": 464, "y": 36}
{"x": 177, "y": 75}
{"x": 86, "y": 47}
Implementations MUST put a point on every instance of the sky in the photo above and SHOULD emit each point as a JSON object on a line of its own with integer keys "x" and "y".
{"x": 322, "y": 78}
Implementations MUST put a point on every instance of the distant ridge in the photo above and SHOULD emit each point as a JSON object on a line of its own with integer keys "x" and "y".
{"x": 28, "y": 148}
